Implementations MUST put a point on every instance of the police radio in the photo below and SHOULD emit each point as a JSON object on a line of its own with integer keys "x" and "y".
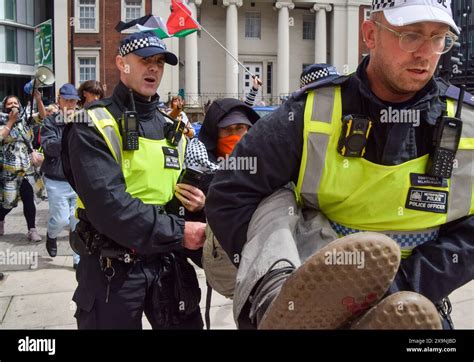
{"x": 130, "y": 127}
{"x": 354, "y": 135}
{"x": 446, "y": 142}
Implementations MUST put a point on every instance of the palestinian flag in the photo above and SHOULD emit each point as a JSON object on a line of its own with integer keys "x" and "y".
{"x": 180, "y": 22}
{"x": 156, "y": 25}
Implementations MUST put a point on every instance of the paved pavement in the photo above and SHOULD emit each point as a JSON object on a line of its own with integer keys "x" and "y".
{"x": 36, "y": 294}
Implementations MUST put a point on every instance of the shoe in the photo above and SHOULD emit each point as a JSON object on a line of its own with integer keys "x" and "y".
{"x": 1, "y": 276}
{"x": 402, "y": 310}
{"x": 2, "y": 227}
{"x": 33, "y": 235}
{"x": 336, "y": 284}
{"x": 51, "y": 246}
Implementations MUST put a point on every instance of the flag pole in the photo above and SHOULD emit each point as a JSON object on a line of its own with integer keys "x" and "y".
{"x": 217, "y": 41}
{"x": 227, "y": 51}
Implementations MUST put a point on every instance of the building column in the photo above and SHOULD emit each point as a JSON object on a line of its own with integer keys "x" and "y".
{"x": 352, "y": 37}
{"x": 283, "y": 46}
{"x": 61, "y": 43}
{"x": 170, "y": 81}
{"x": 232, "y": 45}
{"x": 338, "y": 39}
{"x": 191, "y": 61}
{"x": 320, "y": 45}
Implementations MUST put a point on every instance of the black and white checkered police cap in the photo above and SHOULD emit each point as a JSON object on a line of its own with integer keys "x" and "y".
{"x": 146, "y": 44}
{"x": 318, "y": 73}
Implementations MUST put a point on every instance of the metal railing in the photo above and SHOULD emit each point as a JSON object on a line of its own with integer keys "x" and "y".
{"x": 203, "y": 99}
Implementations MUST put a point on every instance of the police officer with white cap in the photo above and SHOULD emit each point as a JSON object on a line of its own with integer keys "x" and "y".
{"x": 372, "y": 151}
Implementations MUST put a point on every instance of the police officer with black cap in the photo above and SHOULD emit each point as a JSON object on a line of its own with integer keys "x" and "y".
{"x": 123, "y": 158}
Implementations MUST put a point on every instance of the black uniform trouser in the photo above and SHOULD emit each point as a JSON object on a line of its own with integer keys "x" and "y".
{"x": 130, "y": 294}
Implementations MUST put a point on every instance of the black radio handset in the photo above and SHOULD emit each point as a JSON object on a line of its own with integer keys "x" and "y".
{"x": 446, "y": 142}
{"x": 130, "y": 127}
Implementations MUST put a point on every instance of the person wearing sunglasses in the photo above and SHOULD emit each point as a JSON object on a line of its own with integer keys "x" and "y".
{"x": 360, "y": 175}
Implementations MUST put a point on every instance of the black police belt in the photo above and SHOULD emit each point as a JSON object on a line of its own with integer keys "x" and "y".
{"x": 101, "y": 245}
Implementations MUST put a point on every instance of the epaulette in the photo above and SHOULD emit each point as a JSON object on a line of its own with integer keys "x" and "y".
{"x": 453, "y": 93}
{"x": 105, "y": 102}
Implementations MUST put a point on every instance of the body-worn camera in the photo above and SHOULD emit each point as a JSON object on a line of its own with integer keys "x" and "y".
{"x": 191, "y": 176}
{"x": 130, "y": 127}
{"x": 354, "y": 134}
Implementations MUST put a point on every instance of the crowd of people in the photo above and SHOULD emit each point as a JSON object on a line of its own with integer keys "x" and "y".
{"x": 31, "y": 168}
{"x": 141, "y": 195}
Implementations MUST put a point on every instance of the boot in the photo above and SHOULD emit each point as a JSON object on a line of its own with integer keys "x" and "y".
{"x": 402, "y": 310}
{"x": 33, "y": 235}
{"x": 51, "y": 246}
{"x": 336, "y": 284}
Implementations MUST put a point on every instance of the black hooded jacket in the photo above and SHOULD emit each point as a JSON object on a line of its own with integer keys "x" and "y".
{"x": 218, "y": 109}
{"x": 209, "y": 130}
{"x": 277, "y": 142}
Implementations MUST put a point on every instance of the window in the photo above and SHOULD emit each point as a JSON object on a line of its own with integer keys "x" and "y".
{"x": 87, "y": 66}
{"x": 87, "y": 16}
{"x": 131, "y": 10}
{"x": 10, "y": 44}
{"x": 252, "y": 25}
{"x": 30, "y": 12}
{"x": 10, "y": 10}
{"x": 308, "y": 27}
{"x": 269, "y": 78}
{"x": 30, "y": 42}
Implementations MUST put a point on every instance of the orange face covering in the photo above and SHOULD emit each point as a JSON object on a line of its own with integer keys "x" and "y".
{"x": 225, "y": 145}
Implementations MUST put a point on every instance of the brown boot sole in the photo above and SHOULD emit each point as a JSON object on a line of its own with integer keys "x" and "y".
{"x": 322, "y": 295}
{"x": 402, "y": 310}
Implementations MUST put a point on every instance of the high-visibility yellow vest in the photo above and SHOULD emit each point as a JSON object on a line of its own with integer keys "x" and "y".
{"x": 146, "y": 176}
{"x": 358, "y": 195}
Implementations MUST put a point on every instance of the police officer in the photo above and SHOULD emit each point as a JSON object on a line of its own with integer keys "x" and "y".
{"x": 385, "y": 184}
{"x": 132, "y": 249}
